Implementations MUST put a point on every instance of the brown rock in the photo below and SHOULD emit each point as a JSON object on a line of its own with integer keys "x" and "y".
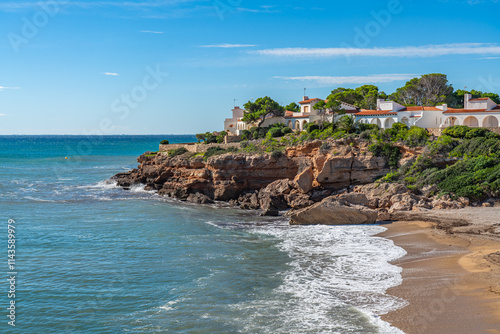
{"x": 304, "y": 180}
{"x": 199, "y": 199}
{"x": 297, "y": 200}
{"x": 331, "y": 211}
{"x": 353, "y": 198}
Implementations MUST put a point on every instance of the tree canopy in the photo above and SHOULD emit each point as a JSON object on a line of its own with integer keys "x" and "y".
{"x": 260, "y": 109}
{"x": 428, "y": 90}
{"x": 293, "y": 107}
{"x": 364, "y": 97}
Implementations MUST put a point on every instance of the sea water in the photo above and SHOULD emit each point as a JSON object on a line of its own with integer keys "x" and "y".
{"x": 94, "y": 258}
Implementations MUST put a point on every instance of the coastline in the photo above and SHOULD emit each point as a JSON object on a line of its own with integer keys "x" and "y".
{"x": 449, "y": 281}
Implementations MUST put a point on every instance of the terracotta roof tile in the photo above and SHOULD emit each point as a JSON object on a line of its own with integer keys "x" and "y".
{"x": 455, "y": 111}
{"x": 480, "y": 99}
{"x": 309, "y": 101}
{"x": 417, "y": 108}
{"x": 365, "y": 112}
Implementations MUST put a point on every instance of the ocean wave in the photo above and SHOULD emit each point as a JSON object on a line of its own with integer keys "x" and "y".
{"x": 334, "y": 270}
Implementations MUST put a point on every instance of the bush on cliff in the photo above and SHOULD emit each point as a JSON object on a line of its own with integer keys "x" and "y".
{"x": 164, "y": 142}
{"x": 474, "y": 173}
{"x": 177, "y": 151}
{"x": 464, "y": 132}
{"x": 416, "y": 136}
{"x": 275, "y": 132}
{"x": 212, "y": 151}
{"x": 390, "y": 152}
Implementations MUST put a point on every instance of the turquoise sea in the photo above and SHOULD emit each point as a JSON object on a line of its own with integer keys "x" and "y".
{"x": 93, "y": 258}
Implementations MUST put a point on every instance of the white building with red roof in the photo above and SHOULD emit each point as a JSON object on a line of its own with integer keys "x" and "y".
{"x": 481, "y": 112}
{"x": 390, "y": 112}
{"x": 231, "y": 124}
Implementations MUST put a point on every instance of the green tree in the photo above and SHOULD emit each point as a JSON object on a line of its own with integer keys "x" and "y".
{"x": 293, "y": 107}
{"x": 258, "y": 111}
{"x": 428, "y": 90}
{"x": 346, "y": 95}
{"x": 347, "y": 123}
{"x": 369, "y": 94}
{"x": 201, "y": 137}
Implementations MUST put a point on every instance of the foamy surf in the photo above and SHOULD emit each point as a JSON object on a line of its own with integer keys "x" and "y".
{"x": 336, "y": 283}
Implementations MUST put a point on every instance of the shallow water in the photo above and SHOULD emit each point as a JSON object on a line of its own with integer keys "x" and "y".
{"x": 93, "y": 258}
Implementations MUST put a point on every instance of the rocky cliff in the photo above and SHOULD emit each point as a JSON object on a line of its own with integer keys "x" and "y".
{"x": 316, "y": 169}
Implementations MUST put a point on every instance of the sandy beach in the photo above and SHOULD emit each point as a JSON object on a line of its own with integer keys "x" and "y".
{"x": 451, "y": 274}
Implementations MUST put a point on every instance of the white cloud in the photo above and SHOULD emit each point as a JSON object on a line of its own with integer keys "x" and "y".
{"x": 404, "y": 51}
{"x": 111, "y": 73}
{"x": 4, "y": 88}
{"x": 228, "y": 46}
{"x": 152, "y": 32}
{"x": 331, "y": 80}
{"x": 3, "y": 115}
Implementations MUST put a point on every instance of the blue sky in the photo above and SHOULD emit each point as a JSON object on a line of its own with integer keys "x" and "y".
{"x": 160, "y": 67}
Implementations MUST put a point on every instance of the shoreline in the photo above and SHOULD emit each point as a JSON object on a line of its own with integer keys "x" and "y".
{"x": 449, "y": 281}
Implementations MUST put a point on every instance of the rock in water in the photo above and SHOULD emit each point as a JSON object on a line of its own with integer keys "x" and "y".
{"x": 332, "y": 211}
{"x": 199, "y": 199}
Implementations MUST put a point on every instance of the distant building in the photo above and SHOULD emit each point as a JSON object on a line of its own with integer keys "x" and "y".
{"x": 231, "y": 124}
{"x": 480, "y": 112}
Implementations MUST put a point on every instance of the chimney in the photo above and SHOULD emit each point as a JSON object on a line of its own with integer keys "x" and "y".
{"x": 467, "y": 98}
{"x": 445, "y": 106}
{"x": 379, "y": 102}
{"x": 305, "y": 98}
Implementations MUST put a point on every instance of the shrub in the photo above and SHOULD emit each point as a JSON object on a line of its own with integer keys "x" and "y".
{"x": 310, "y": 127}
{"x": 286, "y": 130}
{"x": 391, "y": 153}
{"x": 390, "y": 177}
{"x": 416, "y": 136}
{"x": 258, "y": 132}
{"x": 443, "y": 145}
{"x": 347, "y": 123}
{"x": 476, "y": 132}
{"x": 275, "y": 132}
{"x": 398, "y": 127}
{"x": 477, "y": 147}
{"x": 211, "y": 151}
{"x": 177, "y": 151}
{"x": 364, "y": 127}
{"x": 246, "y": 135}
{"x": 210, "y": 138}
{"x": 456, "y": 131}
{"x": 276, "y": 154}
{"x": 165, "y": 142}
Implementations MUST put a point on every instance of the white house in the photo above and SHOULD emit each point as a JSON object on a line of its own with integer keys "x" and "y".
{"x": 481, "y": 112}
{"x": 231, "y": 124}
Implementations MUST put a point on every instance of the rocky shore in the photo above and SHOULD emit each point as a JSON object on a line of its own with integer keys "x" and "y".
{"x": 320, "y": 182}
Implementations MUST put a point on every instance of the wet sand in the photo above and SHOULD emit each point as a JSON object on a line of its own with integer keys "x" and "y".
{"x": 450, "y": 281}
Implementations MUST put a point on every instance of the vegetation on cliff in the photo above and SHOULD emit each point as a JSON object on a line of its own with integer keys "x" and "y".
{"x": 463, "y": 162}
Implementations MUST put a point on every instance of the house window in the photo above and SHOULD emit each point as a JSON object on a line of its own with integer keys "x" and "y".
{"x": 306, "y": 109}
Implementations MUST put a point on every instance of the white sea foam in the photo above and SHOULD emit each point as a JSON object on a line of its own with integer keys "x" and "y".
{"x": 336, "y": 283}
